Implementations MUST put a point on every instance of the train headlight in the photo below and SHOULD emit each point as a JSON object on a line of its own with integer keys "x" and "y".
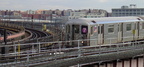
{"x": 82, "y": 42}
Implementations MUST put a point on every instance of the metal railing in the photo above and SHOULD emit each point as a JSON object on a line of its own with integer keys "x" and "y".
{"x": 38, "y": 55}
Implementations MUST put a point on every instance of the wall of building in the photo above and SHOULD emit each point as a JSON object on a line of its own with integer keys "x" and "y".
{"x": 132, "y": 62}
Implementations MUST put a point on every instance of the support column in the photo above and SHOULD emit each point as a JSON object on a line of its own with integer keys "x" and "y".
{"x": 133, "y": 63}
{"x": 140, "y": 62}
{"x": 109, "y": 64}
{"x": 119, "y": 64}
{"x": 126, "y": 63}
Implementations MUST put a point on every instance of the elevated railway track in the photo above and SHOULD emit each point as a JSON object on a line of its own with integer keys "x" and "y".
{"x": 18, "y": 35}
{"x": 23, "y": 34}
{"x": 72, "y": 56}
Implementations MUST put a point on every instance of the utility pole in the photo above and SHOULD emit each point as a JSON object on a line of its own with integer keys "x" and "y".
{"x": 9, "y": 16}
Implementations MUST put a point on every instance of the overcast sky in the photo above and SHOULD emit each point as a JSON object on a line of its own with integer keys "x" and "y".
{"x": 66, "y": 4}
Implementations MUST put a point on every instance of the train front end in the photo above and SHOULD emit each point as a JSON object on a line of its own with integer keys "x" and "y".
{"x": 77, "y": 33}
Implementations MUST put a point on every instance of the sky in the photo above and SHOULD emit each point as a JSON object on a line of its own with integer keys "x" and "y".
{"x": 66, "y": 4}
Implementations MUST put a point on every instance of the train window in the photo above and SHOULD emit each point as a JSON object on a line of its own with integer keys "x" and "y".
{"x": 84, "y": 30}
{"x": 102, "y": 28}
{"x": 92, "y": 30}
{"x": 142, "y": 25}
{"x": 121, "y": 27}
{"x": 68, "y": 28}
{"x": 110, "y": 28}
{"x": 128, "y": 27}
{"x": 98, "y": 29}
{"x": 76, "y": 28}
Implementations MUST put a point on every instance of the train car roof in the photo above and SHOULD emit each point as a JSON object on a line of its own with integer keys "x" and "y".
{"x": 104, "y": 20}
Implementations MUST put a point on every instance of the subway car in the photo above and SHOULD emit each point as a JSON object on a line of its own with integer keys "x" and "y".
{"x": 106, "y": 30}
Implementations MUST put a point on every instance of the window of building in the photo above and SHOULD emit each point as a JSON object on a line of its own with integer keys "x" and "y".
{"x": 128, "y": 27}
{"x": 110, "y": 28}
{"x": 138, "y": 10}
{"x": 127, "y": 10}
{"x": 138, "y": 13}
{"x": 134, "y": 10}
{"x": 123, "y": 10}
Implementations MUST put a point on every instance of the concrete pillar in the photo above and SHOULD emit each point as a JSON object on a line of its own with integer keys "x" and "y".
{"x": 110, "y": 65}
{"x": 140, "y": 62}
{"x": 133, "y": 63}
{"x": 137, "y": 62}
{"x": 127, "y": 63}
{"x": 119, "y": 64}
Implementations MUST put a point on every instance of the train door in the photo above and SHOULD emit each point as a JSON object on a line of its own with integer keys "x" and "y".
{"x": 120, "y": 32}
{"x": 136, "y": 31}
{"x": 75, "y": 33}
{"x": 84, "y": 33}
{"x": 101, "y": 34}
{"x": 68, "y": 34}
{"x": 138, "y": 28}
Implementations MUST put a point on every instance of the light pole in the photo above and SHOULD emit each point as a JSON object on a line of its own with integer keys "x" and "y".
{"x": 32, "y": 20}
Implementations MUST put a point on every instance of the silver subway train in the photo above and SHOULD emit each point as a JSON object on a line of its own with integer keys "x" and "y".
{"x": 95, "y": 31}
